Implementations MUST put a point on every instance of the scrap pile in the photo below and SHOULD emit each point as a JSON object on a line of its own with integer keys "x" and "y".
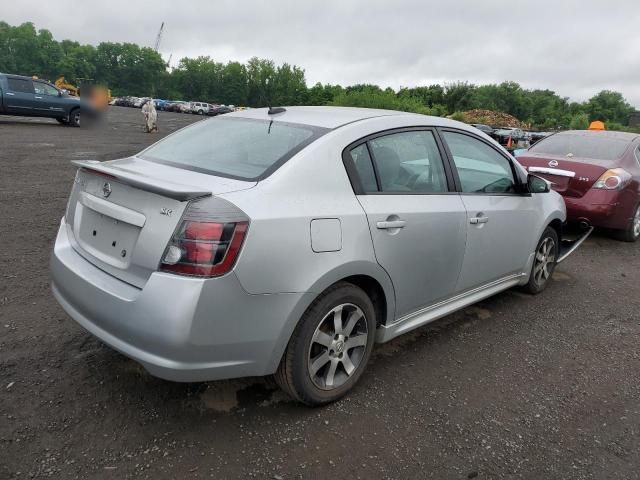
{"x": 494, "y": 119}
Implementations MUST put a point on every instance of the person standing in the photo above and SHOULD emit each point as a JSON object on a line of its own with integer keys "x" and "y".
{"x": 150, "y": 116}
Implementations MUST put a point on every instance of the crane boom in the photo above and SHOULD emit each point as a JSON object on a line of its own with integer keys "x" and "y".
{"x": 159, "y": 37}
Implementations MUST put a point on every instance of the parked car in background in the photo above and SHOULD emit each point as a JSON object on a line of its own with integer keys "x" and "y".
{"x": 199, "y": 108}
{"x": 502, "y": 134}
{"x": 160, "y": 104}
{"x": 483, "y": 128}
{"x": 597, "y": 173}
{"x": 219, "y": 110}
{"x": 28, "y": 97}
{"x": 202, "y": 258}
{"x": 139, "y": 102}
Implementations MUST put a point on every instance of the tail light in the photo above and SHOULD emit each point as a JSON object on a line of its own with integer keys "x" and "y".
{"x": 208, "y": 239}
{"x": 614, "y": 179}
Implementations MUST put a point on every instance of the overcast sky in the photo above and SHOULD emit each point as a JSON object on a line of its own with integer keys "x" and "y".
{"x": 575, "y": 48}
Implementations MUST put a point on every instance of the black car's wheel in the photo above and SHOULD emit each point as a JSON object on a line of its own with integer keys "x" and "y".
{"x": 330, "y": 347}
{"x": 632, "y": 232}
{"x": 544, "y": 262}
{"x": 74, "y": 118}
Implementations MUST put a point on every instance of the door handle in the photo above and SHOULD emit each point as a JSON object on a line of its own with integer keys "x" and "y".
{"x": 391, "y": 224}
{"x": 39, "y": 98}
{"x": 10, "y": 94}
{"x": 477, "y": 220}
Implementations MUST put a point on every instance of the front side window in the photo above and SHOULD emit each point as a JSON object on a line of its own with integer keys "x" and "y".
{"x": 20, "y": 85}
{"x": 234, "y": 147}
{"x": 409, "y": 162}
{"x": 481, "y": 169}
{"x": 44, "y": 89}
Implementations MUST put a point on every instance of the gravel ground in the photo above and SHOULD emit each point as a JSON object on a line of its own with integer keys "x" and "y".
{"x": 544, "y": 387}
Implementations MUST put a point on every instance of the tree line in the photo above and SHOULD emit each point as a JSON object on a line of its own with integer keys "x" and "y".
{"x": 129, "y": 69}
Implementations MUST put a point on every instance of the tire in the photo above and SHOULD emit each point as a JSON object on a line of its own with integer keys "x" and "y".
{"x": 544, "y": 262}
{"x": 200, "y": 112}
{"x": 317, "y": 346}
{"x": 74, "y": 118}
{"x": 632, "y": 232}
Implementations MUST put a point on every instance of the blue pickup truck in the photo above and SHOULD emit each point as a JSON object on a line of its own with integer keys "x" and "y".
{"x": 27, "y": 97}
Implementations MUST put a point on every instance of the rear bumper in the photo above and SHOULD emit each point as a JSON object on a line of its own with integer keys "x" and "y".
{"x": 178, "y": 328}
{"x": 598, "y": 208}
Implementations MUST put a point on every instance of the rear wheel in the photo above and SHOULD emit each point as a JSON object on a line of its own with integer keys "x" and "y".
{"x": 632, "y": 232}
{"x": 544, "y": 262}
{"x": 330, "y": 347}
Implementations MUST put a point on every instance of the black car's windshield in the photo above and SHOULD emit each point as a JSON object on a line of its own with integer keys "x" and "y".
{"x": 247, "y": 149}
{"x": 590, "y": 145}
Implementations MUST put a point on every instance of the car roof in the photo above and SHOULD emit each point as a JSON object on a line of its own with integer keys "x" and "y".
{"x": 334, "y": 117}
{"x": 602, "y": 134}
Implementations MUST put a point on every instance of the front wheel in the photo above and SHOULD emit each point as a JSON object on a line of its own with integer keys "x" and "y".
{"x": 74, "y": 118}
{"x": 544, "y": 262}
{"x": 632, "y": 232}
{"x": 330, "y": 347}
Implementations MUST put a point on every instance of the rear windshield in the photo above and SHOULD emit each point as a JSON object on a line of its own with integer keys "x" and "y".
{"x": 592, "y": 145}
{"x": 242, "y": 148}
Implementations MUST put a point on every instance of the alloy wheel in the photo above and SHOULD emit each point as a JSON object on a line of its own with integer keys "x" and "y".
{"x": 636, "y": 223}
{"x": 338, "y": 346}
{"x": 545, "y": 258}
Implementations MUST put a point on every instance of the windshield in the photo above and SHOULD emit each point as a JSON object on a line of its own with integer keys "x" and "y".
{"x": 242, "y": 148}
{"x": 591, "y": 145}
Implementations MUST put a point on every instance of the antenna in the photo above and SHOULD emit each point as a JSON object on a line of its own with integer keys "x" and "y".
{"x": 159, "y": 37}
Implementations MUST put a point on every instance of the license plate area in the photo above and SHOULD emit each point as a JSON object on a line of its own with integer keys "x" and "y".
{"x": 107, "y": 239}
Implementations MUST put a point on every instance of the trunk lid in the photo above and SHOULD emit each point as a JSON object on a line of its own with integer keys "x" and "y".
{"x": 569, "y": 176}
{"x": 122, "y": 213}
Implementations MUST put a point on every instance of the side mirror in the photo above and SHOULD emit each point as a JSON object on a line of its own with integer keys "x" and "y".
{"x": 537, "y": 184}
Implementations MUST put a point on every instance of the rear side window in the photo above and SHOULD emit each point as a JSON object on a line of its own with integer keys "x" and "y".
{"x": 242, "y": 148}
{"x": 364, "y": 167}
{"x": 409, "y": 162}
{"x": 586, "y": 145}
{"x": 481, "y": 169}
{"x": 20, "y": 85}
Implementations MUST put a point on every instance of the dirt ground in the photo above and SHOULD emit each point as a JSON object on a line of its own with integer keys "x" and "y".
{"x": 519, "y": 386}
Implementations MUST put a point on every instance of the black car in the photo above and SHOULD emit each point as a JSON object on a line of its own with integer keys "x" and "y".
{"x": 28, "y": 97}
{"x": 483, "y": 128}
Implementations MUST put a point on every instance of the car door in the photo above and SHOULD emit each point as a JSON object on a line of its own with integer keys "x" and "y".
{"x": 500, "y": 221}
{"x": 416, "y": 221}
{"x": 47, "y": 100}
{"x": 19, "y": 96}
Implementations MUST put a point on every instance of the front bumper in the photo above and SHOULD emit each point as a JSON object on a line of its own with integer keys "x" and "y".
{"x": 178, "y": 328}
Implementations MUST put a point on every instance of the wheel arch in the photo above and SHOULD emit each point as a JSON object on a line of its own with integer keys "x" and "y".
{"x": 371, "y": 278}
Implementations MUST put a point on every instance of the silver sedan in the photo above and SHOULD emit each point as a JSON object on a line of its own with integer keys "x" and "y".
{"x": 289, "y": 241}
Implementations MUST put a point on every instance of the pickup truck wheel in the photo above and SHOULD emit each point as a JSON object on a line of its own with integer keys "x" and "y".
{"x": 544, "y": 262}
{"x": 330, "y": 347}
{"x": 74, "y": 118}
{"x": 632, "y": 232}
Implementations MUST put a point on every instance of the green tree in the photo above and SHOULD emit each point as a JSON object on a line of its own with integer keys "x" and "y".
{"x": 609, "y": 106}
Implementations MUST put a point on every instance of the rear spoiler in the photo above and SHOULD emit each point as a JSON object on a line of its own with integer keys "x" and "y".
{"x": 177, "y": 191}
